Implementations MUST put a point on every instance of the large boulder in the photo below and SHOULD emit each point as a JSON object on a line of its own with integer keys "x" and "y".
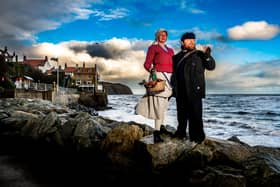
{"x": 98, "y": 101}
{"x": 119, "y": 143}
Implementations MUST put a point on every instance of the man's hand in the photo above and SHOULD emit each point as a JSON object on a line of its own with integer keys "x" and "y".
{"x": 207, "y": 51}
{"x": 201, "y": 54}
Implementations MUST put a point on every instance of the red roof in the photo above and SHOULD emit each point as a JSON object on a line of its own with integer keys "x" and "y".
{"x": 35, "y": 62}
{"x": 84, "y": 70}
{"x": 69, "y": 70}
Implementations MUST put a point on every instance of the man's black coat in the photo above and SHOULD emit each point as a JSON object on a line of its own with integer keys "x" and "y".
{"x": 190, "y": 72}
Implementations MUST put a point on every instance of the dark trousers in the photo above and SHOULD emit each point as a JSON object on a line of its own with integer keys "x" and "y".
{"x": 189, "y": 112}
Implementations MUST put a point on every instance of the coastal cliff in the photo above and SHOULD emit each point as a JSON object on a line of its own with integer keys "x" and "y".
{"x": 116, "y": 88}
{"x": 43, "y": 144}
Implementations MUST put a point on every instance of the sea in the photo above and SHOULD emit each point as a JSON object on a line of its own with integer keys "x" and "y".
{"x": 253, "y": 119}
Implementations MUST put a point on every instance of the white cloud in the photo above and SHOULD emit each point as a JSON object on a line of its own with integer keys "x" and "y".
{"x": 82, "y": 13}
{"x": 22, "y": 20}
{"x": 128, "y": 68}
{"x": 245, "y": 78}
{"x": 111, "y": 14}
{"x": 190, "y": 6}
{"x": 259, "y": 30}
{"x": 128, "y": 65}
{"x": 196, "y": 11}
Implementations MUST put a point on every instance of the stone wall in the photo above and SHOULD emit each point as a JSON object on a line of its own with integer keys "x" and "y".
{"x": 7, "y": 93}
{"x": 34, "y": 94}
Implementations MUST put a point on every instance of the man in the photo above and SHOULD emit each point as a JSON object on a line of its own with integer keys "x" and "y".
{"x": 189, "y": 86}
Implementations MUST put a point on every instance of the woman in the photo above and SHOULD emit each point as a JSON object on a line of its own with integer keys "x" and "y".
{"x": 159, "y": 58}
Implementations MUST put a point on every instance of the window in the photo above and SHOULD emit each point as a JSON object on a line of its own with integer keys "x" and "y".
{"x": 78, "y": 82}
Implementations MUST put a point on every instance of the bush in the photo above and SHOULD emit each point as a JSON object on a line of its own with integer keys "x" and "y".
{"x": 7, "y": 84}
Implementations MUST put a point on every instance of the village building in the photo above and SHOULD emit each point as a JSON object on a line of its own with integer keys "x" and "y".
{"x": 85, "y": 75}
{"x": 35, "y": 63}
{"x": 23, "y": 82}
{"x": 79, "y": 77}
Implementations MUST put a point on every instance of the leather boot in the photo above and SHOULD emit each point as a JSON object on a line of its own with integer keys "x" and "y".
{"x": 180, "y": 135}
{"x": 157, "y": 137}
{"x": 163, "y": 130}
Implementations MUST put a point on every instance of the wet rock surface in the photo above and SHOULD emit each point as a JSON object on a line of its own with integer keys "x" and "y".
{"x": 43, "y": 144}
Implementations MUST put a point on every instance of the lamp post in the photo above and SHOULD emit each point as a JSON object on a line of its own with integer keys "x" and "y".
{"x": 57, "y": 74}
{"x": 57, "y": 78}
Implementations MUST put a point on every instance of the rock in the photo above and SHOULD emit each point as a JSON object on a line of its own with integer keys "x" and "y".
{"x": 128, "y": 152}
{"x": 119, "y": 143}
{"x": 218, "y": 176}
{"x": 116, "y": 88}
{"x": 229, "y": 150}
{"x": 97, "y": 101}
{"x": 88, "y": 132}
{"x": 160, "y": 155}
{"x": 262, "y": 169}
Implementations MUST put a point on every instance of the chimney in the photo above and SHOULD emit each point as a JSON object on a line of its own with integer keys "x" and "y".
{"x": 16, "y": 58}
{"x": 84, "y": 65}
{"x": 65, "y": 65}
{"x": 24, "y": 58}
{"x": 46, "y": 58}
{"x": 76, "y": 65}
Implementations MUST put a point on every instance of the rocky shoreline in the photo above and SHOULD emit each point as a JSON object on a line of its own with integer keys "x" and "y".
{"x": 43, "y": 144}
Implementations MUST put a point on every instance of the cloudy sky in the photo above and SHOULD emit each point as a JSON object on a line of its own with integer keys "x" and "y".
{"x": 115, "y": 34}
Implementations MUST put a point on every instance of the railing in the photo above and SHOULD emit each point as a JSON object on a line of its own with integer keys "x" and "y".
{"x": 35, "y": 86}
{"x": 45, "y": 87}
{"x": 63, "y": 90}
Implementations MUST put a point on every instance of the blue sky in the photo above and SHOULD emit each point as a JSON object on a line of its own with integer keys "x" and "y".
{"x": 244, "y": 36}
